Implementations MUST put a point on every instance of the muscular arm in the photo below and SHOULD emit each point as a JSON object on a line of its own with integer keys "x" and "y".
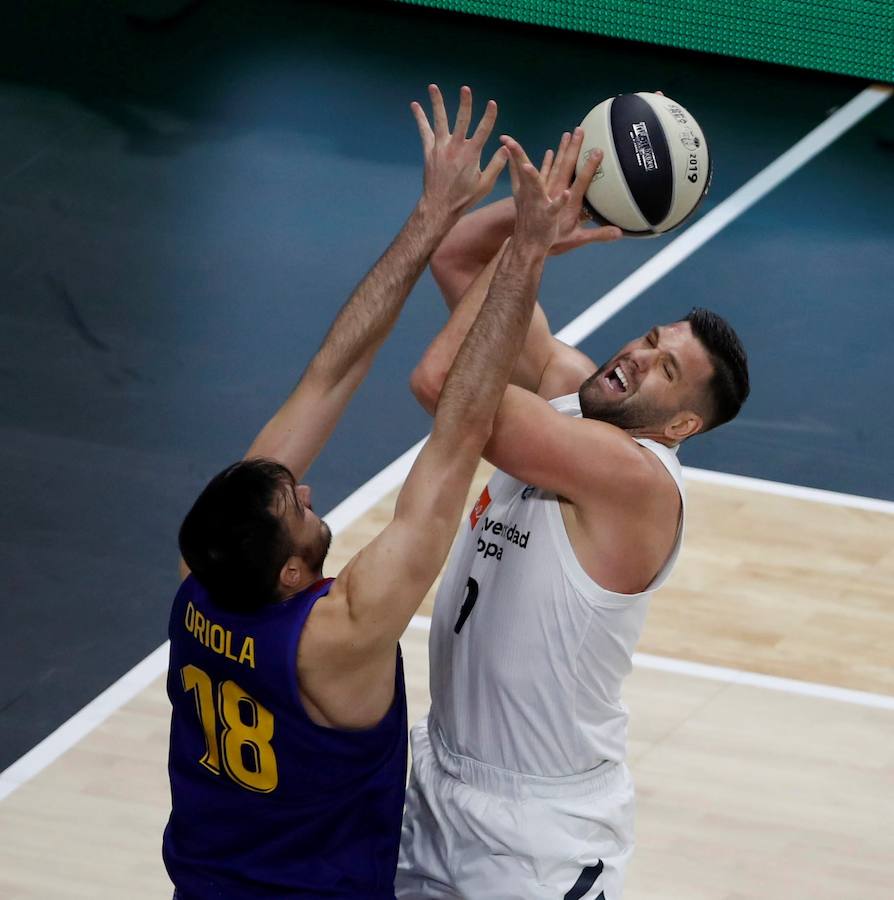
{"x": 404, "y": 560}
{"x": 377, "y": 593}
{"x": 471, "y": 244}
{"x": 545, "y": 365}
{"x": 452, "y": 183}
{"x": 462, "y": 266}
{"x": 620, "y": 505}
{"x": 302, "y": 425}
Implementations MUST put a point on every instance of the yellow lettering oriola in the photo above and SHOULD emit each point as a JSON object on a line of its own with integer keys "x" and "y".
{"x": 218, "y": 638}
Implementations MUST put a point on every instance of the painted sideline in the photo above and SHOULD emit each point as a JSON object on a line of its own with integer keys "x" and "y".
{"x": 143, "y": 674}
{"x": 738, "y": 676}
{"x": 644, "y": 277}
{"x": 365, "y": 497}
{"x": 795, "y": 491}
{"x": 83, "y": 722}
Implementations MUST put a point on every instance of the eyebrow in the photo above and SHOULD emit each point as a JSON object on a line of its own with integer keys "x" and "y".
{"x": 656, "y": 331}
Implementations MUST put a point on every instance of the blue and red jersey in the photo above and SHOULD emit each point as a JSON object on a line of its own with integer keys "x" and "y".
{"x": 265, "y": 802}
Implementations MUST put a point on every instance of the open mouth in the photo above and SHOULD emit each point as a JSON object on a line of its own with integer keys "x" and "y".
{"x": 617, "y": 380}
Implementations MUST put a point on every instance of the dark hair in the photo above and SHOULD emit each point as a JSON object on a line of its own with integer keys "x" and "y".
{"x": 729, "y": 386}
{"x": 232, "y": 539}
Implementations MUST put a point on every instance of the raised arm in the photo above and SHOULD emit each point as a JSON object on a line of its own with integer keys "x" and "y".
{"x": 453, "y": 182}
{"x": 464, "y": 264}
{"x": 376, "y": 594}
{"x": 473, "y": 241}
{"x": 545, "y": 365}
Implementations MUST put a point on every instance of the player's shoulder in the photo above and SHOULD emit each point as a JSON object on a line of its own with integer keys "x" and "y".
{"x": 653, "y": 490}
{"x": 328, "y": 625}
{"x": 661, "y": 461}
{"x": 335, "y": 630}
{"x": 346, "y": 675}
{"x": 637, "y": 471}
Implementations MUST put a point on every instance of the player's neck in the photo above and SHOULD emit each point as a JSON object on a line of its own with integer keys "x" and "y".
{"x": 648, "y": 435}
{"x": 305, "y": 583}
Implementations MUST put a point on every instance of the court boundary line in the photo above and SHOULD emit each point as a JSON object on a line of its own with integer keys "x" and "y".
{"x": 140, "y": 676}
{"x": 709, "y": 672}
{"x": 90, "y": 717}
{"x": 792, "y": 491}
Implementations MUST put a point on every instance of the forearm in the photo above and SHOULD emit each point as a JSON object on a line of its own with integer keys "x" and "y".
{"x": 470, "y": 246}
{"x": 350, "y": 346}
{"x": 429, "y": 375}
{"x": 479, "y": 374}
{"x": 452, "y": 182}
{"x": 370, "y": 313}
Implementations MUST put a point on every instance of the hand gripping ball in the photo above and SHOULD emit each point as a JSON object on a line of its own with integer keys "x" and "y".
{"x": 656, "y": 167}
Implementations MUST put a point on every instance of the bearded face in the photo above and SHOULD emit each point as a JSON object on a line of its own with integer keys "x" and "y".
{"x": 316, "y": 549}
{"x": 310, "y": 535}
{"x": 608, "y": 397}
{"x": 649, "y": 382}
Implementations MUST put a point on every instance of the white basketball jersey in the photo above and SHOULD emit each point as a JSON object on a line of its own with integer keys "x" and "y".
{"x": 528, "y": 653}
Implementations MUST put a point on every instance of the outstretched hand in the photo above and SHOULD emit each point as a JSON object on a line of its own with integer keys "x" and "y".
{"x": 557, "y": 171}
{"x": 538, "y": 211}
{"x": 453, "y": 178}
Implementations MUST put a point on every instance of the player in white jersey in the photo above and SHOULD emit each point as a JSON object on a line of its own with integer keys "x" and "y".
{"x": 519, "y": 787}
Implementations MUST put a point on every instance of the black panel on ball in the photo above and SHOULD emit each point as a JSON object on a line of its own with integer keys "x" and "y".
{"x": 643, "y": 155}
{"x": 594, "y": 216}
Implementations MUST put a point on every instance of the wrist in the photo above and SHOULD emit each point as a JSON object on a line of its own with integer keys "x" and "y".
{"x": 433, "y": 218}
{"x": 525, "y": 253}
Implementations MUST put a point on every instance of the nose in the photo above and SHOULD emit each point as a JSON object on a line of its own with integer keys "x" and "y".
{"x": 644, "y": 357}
{"x": 303, "y": 492}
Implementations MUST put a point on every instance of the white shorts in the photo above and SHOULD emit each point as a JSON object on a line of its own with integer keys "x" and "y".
{"x": 477, "y": 832}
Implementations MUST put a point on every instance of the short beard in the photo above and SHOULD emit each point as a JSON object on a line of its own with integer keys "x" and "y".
{"x": 630, "y": 415}
{"x": 315, "y": 555}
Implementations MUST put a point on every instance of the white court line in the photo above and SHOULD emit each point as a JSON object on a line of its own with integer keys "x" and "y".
{"x": 738, "y": 676}
{"x": 83, "y": 722}
{"x": 650, "y": 272}
{"x": 369, "y": 494}
{"x": 795, "y": 491}
{"x": 365, "y": 497}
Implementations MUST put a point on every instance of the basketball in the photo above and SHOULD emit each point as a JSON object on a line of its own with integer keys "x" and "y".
{"x": 656, "y": 167}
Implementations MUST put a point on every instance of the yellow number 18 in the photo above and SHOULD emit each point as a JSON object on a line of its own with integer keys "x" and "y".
{"x": 248, "y": 757}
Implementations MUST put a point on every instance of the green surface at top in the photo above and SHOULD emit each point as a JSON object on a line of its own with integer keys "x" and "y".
{"x": 850, "y": 37}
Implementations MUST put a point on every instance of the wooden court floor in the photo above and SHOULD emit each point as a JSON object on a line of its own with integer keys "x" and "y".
{"x": 744, "y": 791}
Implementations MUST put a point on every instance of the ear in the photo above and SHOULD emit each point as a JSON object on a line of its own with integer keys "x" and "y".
{"x": 292, "y": 575}
{"x": 683, "y": 425}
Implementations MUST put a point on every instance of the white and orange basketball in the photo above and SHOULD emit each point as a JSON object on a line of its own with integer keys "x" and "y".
{"x": 656, "y": 167}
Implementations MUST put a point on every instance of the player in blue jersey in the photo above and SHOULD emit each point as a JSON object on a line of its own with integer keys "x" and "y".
{"x": 288, "y": 733}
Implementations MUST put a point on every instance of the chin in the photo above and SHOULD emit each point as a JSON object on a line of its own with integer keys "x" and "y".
{"x": 616, "y": 414}
{"x": 322, "y": 549}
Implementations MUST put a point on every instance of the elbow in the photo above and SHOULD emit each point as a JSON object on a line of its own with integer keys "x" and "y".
{"x": 437, "y": 264}
{"x": 442, "y": 262}
{"x": 453, "y": 273}
{"x": 426, "y": 387}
